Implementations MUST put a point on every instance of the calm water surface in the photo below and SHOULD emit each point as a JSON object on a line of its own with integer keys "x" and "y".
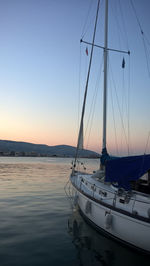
{"x": 38, "y": 226}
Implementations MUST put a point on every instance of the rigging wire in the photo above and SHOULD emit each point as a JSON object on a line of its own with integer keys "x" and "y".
{"x": 79, "y": 87}
{"x": 113, "y": 115}
{"x": 128, "y": 90}
{"x": 93, "y": 105}
{"x": 120, "y": 26}
{"x": 121, "y": 30}
{"x": 86, "y": 87}
{"x": 84, "y": 30}
{"x": 128, "y": 108}
{"x": 91, "y": 115}
{"x": 117, "y": 24}
{"x": 147, "y": 39}
{"x": 122, "y": 101}
{"x": 125, "y": 100}
{"x": 83, "y": 69}
{"x": 119, "y": 108}
{"x": 147, "y": 54}
{"x": 138, "y": 21}
{"x": 123, "y": 24}
{"x": 143, "y": 37}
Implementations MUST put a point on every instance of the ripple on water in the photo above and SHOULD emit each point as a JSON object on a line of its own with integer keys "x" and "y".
{"x": 37, "y": 226}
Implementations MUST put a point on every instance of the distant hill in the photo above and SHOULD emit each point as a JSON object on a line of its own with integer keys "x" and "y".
{"x": 15, "y": 148}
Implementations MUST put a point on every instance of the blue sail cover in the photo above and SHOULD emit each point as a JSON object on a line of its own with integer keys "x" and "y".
{"x": 126, "y": 169}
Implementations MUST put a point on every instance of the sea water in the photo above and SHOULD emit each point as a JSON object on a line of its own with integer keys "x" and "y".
{"x": 38, "y": 225}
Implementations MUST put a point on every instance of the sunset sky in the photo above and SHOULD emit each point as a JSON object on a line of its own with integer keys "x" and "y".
{"x": 43, "y": 65}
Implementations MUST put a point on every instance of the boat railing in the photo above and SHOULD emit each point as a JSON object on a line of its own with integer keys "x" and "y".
{"x": 95, "y": 189}
{"x": 127, "y": 195}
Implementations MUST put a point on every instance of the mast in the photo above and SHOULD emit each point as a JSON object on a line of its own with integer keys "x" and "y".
{"x": 104, "y": 150}
{"x": 80, "y": 136}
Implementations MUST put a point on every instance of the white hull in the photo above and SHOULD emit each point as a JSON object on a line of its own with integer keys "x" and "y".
{"x": 123, "y": 214}
{"x": 126, "y": 228}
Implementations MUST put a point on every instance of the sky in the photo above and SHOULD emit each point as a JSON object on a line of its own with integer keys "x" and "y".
{"x": 43, "y": 68}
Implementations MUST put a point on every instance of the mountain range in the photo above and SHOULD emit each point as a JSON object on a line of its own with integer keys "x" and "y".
{"x": 15, "y": 148}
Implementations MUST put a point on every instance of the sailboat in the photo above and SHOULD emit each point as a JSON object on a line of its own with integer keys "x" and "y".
{"x": 114, "y": 199}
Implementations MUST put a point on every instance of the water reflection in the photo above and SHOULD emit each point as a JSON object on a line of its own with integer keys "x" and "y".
{"x": 95, "y": 249}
